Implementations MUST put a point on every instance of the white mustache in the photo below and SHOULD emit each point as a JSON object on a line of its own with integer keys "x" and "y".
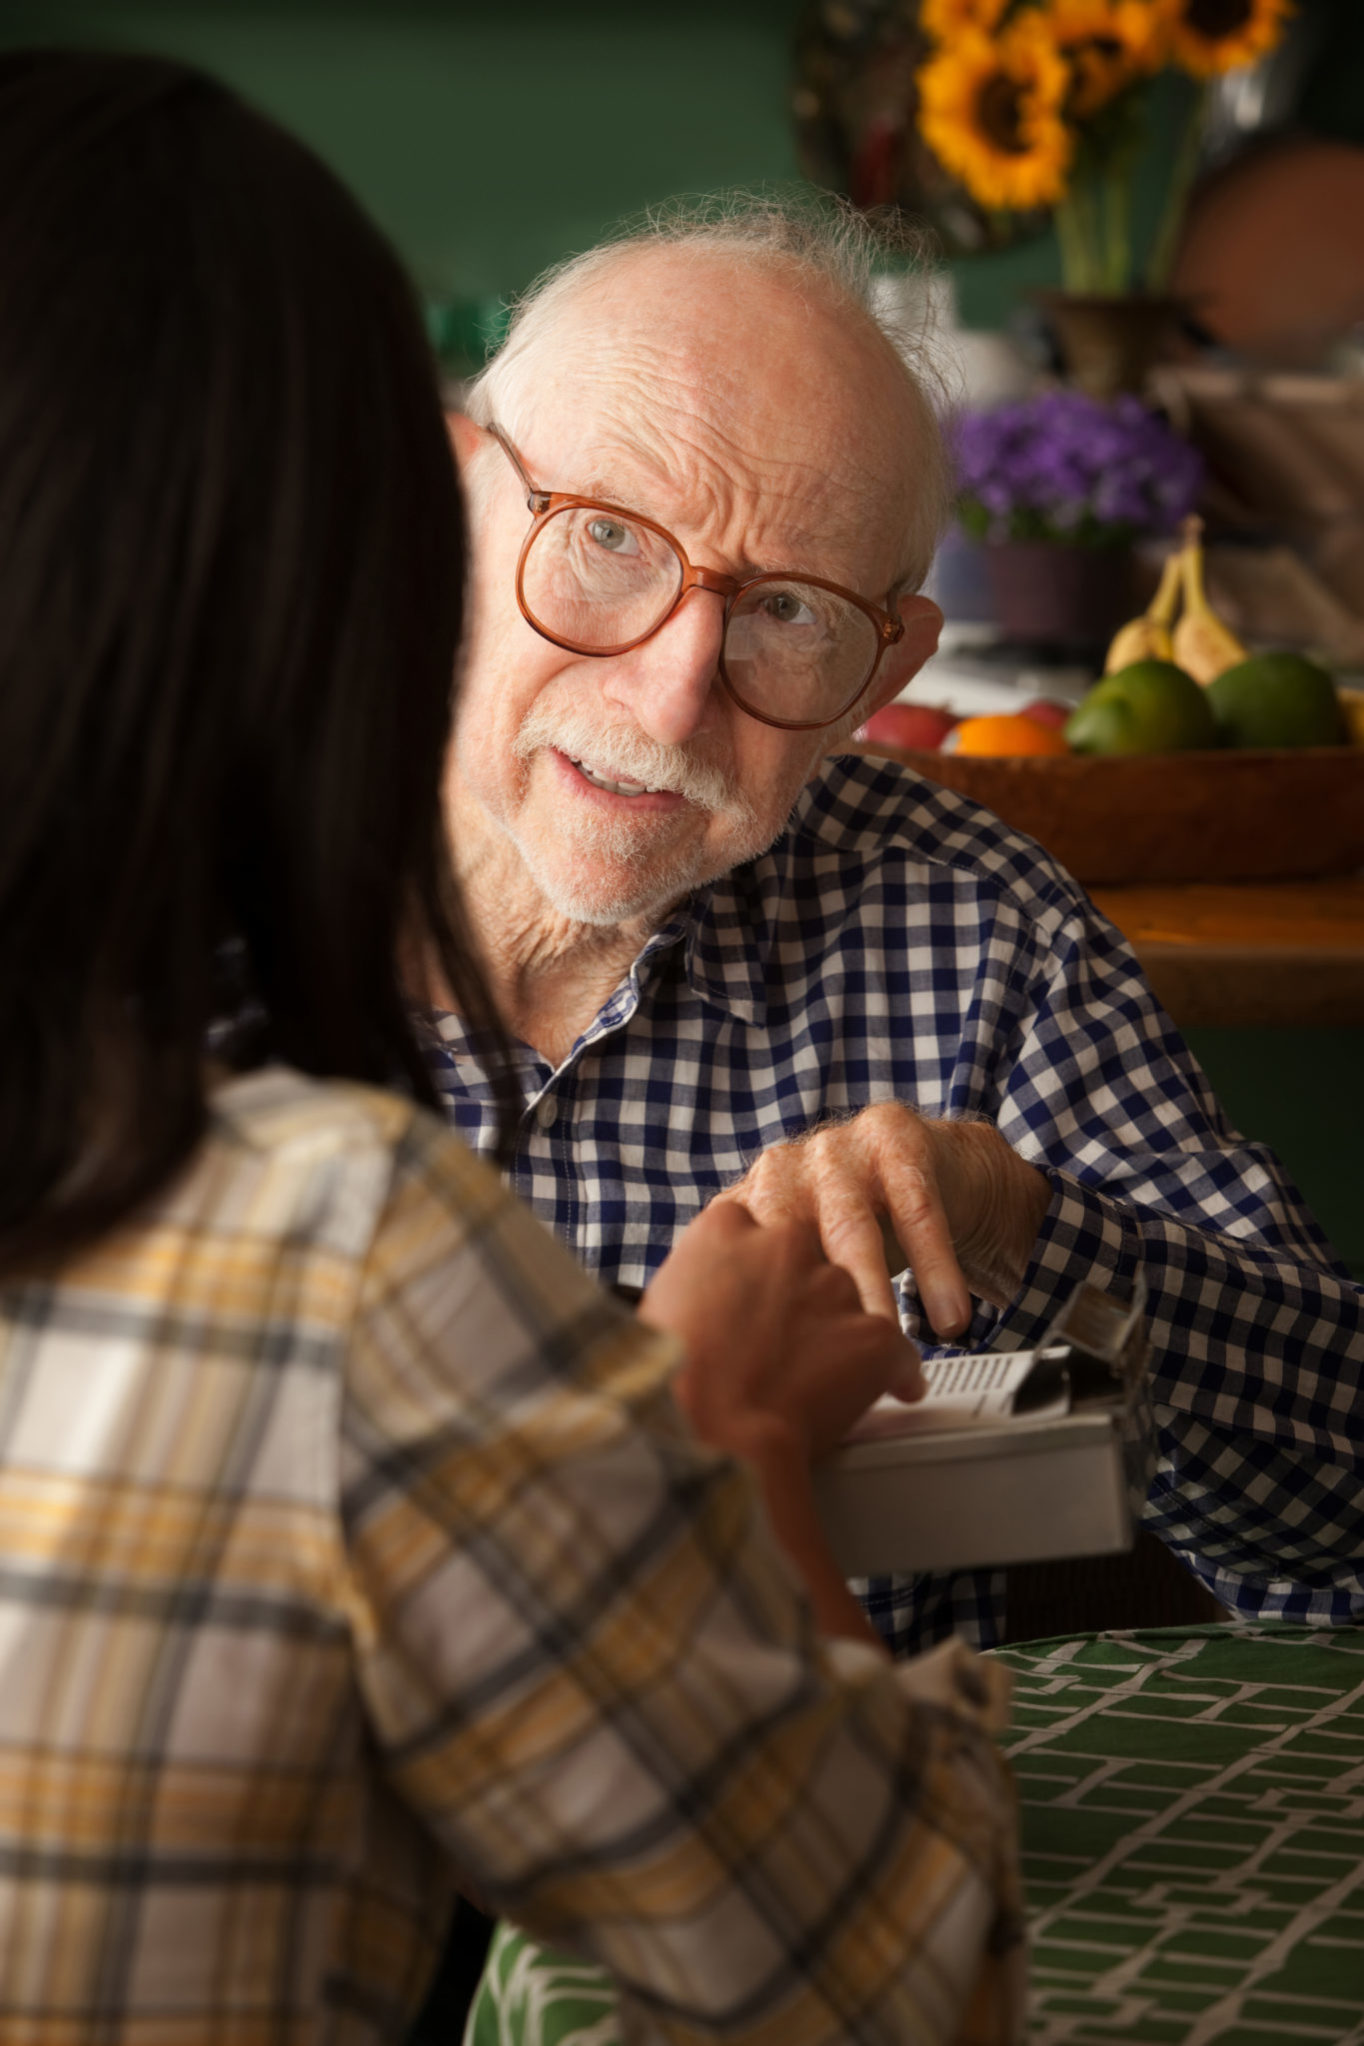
{"x": 623, "y": 754}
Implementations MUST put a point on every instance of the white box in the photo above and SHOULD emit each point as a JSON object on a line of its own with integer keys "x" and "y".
{"x": 1012, "y": 1488}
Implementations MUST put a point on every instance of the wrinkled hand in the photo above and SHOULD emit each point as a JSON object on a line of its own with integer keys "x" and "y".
{"x": 888, "y": 1189}
{"x": 781, "y": 1360}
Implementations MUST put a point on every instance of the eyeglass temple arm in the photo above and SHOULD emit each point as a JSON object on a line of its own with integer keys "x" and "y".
{"x": 536, "y": 500}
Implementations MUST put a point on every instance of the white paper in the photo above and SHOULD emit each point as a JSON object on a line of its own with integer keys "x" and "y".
{"x": 961, "y": 1390}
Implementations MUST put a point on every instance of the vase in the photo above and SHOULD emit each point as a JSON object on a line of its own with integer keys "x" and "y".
{"x": 1070, "y": 599}
{"x": 1109, "y": 343}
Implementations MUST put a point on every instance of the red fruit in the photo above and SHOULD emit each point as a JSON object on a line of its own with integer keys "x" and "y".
{"x": 918, "y": 727}
{"x": 1046, "y": 711}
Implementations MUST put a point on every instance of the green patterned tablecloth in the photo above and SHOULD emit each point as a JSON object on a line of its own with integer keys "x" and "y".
{"x": 1193, "y": 1849}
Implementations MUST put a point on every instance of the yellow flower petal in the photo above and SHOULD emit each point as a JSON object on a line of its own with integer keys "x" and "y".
{"x": 991, "y": 110}
{"x": 1110, "y": 44}
{"x": 1209, "y": 37}
{"x": 943, "y": 19}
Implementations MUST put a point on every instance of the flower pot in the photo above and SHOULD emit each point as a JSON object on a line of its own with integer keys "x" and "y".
{"x": 1110, "y": 343}
{"x": 1070, "y": 598}
{"x": 959, "y": 580}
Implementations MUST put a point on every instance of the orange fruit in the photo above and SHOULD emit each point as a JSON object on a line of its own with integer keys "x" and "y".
{"x": 1005, "y": 734}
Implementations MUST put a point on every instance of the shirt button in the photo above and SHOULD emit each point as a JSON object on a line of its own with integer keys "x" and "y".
{"x": 546, "y": 1111}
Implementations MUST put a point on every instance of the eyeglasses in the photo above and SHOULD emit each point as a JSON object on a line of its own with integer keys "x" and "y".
{"x": 596, "y": 579}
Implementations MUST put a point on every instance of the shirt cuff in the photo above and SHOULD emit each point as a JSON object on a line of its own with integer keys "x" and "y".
{"x": 1084, "y": 1236}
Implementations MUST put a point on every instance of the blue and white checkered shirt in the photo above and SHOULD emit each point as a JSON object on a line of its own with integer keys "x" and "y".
{"x": 899, "y": 943}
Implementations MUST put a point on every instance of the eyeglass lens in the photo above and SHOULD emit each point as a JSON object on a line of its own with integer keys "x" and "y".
{"x": 600, "y": 581}
{"x": 796, "y": 650}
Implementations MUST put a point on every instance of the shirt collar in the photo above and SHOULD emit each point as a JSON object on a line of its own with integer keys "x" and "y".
{"x": 728, "y": 938}
{"x": 731, "y": 926}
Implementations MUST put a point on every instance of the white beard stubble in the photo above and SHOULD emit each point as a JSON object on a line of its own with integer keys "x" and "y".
{"x": 649, "y": 875}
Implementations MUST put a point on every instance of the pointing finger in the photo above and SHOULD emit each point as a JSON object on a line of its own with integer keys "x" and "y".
{"x": 920, "y": 1225}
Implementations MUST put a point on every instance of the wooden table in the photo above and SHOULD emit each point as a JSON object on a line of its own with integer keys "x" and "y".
{"x": 1252, "y": 952}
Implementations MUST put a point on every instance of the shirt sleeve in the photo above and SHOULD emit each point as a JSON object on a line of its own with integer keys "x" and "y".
{"x": 1258, "y": 1336}
{"x": 588, "y": 1668}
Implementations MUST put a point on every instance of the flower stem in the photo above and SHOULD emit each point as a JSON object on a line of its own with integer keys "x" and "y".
{"x": 1117, "y": 240}
{"x": 1166, "y": 245}
{"x": 1117, "y": 191}
{"x": 1071, "y": 244}
{"x": 1077, "y": 233}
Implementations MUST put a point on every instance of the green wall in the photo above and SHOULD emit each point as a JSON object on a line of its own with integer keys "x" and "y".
{"x": 1301, "y": 1091}
{"x": 487, "y": 140}
{"x": 491, "y": 140}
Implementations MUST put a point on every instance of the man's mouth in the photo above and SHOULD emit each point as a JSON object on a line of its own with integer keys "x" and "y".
{"x": 612, "y": 784}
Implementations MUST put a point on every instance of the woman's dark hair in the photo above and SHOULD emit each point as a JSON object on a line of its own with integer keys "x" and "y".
{"x": 231, "y": 581}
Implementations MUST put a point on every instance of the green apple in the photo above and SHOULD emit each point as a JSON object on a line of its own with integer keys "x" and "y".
{"x": 1151, "y": 707}
{"x": 1277, "y": 700}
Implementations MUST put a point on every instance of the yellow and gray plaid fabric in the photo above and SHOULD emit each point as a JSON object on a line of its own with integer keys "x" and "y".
{"x": 348, "y": 1538}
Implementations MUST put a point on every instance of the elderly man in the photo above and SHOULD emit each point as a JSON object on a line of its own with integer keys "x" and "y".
{"x": 704, "y": 490}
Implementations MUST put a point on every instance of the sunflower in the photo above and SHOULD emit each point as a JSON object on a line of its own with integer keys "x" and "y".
{"x": 1109, "y": 43}
{"x": 1212, "y": 36}
{"x": 990, "y": 109}
{"x": 944, "y": 19}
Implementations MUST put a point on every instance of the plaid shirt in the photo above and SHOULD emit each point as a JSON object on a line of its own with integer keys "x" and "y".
{"x": 899, "y": 943}
{"x": 348, "y": 1534}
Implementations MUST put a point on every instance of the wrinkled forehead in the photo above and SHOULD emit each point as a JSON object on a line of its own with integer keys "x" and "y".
{"x": 747, "y": 413}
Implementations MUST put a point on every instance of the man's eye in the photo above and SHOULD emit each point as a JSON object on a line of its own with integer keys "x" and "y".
{"x": 612, "y": 534}
{"x": 784, "y": 607}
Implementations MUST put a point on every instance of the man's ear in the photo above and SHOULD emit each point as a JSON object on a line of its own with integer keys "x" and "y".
{"x": 466, "y": 438}
{"x": 922, "y": 621}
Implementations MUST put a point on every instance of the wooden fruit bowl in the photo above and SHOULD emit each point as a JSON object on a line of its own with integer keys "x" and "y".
{"x": 1242, "y": 816}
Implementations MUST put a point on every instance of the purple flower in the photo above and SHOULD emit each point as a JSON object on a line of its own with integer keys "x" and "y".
{"x": 1066, "y": 467}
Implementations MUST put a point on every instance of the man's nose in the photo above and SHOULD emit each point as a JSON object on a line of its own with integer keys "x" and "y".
{"x": 668, "y": 683}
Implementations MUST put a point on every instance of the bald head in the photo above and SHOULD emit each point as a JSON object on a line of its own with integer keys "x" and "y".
{"x": 761, "y": 315}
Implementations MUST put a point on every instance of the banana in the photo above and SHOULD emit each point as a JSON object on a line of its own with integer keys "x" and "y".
{"x": 1148, "y": 638}
{"x": 1202, "y": 645}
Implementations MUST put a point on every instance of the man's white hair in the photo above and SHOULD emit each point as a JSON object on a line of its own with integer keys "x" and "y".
{"x": 828, "y": 249}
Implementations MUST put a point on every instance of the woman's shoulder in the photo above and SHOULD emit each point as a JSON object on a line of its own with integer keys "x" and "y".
{"x": 276, "y": 1108}
{"x": 310, "y": 1154}
{"x": 350, "y": 1178}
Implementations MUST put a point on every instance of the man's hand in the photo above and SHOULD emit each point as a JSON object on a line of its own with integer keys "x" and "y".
{"x": 781, "y": 1360}
{"x": 889, "y": 1188}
